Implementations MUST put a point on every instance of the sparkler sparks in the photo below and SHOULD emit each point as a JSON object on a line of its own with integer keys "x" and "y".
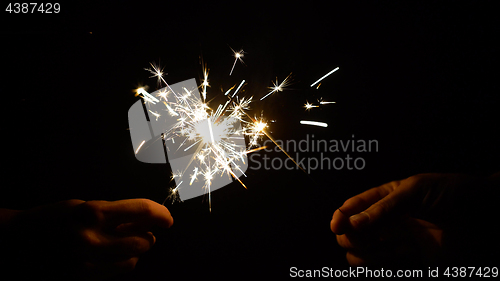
{"x": 237, "y": 89}
{"x": 314, "y": 123}
{"x": 157, "y": 72}
{"x": 147, "y": 96}
{"x": 204, "y": 83}
{"x": 237, "y": 56}
{"x": 326, "y": 75}
{"x": 142, "y": 143}
{"x": 210, "y": 137}
{"x": 278, "y": 87}
{"x": 308, "y": 106}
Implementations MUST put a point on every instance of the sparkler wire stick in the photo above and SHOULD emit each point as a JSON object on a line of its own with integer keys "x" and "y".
{"x": 325, "y": 76}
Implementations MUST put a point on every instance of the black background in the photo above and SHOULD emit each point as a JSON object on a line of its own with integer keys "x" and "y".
{"x": 420, "y": 78}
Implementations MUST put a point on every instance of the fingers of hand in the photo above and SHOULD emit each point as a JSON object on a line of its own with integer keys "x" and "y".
{"x": 401, "y": 241}
{"x": 102, "y": 247}
{"x": 137, "y": 210}
{"x": 111, "y": 214}
{"x": 395, "y": 203}
{"x": 364, "y": 200}
{"x": 341, "y": 221}
{"x": 373, "y": 205}
{"x": 130, "y": 246}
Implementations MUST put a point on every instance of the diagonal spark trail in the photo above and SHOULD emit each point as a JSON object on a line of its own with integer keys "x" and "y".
{"x": 326, "y": 75}
{"x": 237, "y": 56}
{"x": 313, "y": 123}
{"x": 278, "y": 87}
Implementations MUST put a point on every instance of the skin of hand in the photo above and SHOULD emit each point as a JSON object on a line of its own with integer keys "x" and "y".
{"x": 86, "y": 240}
{"x": 404, "y": 222}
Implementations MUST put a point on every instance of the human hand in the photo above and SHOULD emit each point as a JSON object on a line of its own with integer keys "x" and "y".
{"x": 384, "y": 225}
{"x": 88, "y": 240}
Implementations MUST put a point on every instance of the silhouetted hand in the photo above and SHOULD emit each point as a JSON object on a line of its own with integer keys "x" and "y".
{"x": 404, "y": 222}
{"x": 86, "y": 240}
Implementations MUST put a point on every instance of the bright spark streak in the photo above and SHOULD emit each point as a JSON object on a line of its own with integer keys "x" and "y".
{"x": 278, "y": 88}
{"x": 194, "y": 175}
{"x": 163, "y": 94}
{"x": 155, "y": 114}
{"x": 227, "y": 92}
{"x": 148, "y": 95}
{"x": 187, "y": 148}
{"x": 238, "y": 88}
{"x": 260, "y": 126}
{"x": 137, "y": 150}
{"x": 325, "y": 76}
{"x": 268, "y": 94}
{"x": 188, "y": 93}
{"x": 205, "y": 82}
{"x": 177, "y": 187}
{"x": 237, "y": 56}
{"x": 327, "y": 102}
{"x": 308, "y": 106}
{"x": 156, "y": 71}
{"x": 272, "y": 139}
{"x": 172, "y": 112}
{"x": 255, "y": 149}
{"x": 314, "y": 123}
{"x": 218, "y": 109}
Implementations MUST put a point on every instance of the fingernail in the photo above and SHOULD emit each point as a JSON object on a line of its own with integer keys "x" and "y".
{"x": 359, "y": 220}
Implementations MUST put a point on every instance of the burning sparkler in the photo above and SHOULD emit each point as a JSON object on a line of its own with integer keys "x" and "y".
{"x": 213, "y": 139}
{"x": 210, "y": 142}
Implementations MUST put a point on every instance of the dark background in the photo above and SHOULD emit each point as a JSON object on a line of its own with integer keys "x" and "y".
{"x": 418, "y": 77}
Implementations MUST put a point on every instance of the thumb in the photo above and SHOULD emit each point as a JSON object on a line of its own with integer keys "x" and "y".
{"x": 397, "y": 202}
